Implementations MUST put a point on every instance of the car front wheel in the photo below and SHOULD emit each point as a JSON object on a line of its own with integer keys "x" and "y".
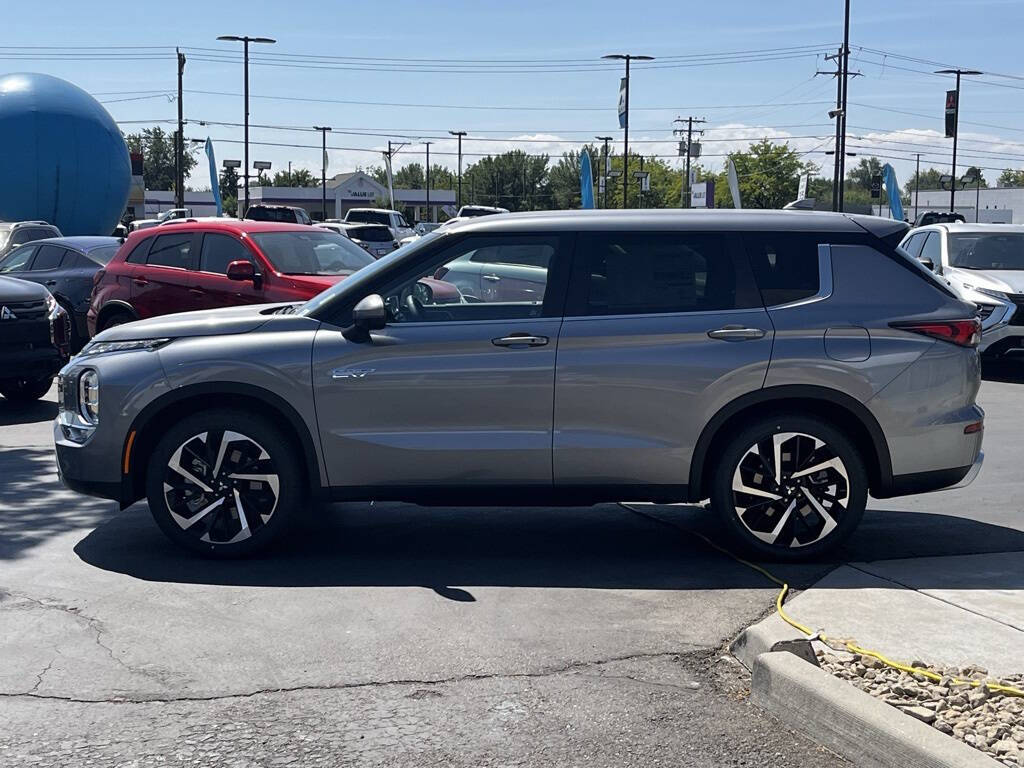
{"x": 224, "y": 483}
{"x": 790, "y": 487}
{"x": 25, "y": 390}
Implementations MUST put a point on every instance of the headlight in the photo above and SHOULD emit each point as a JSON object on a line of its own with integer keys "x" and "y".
{"x": 51, "y": 304}
{"x": 103, "y": 347}
{"x": 89, "y": 396}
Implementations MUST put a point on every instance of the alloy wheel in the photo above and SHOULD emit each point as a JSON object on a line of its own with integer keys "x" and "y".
{"x": 221, "y": 487}
{"x": 790, "y": 490}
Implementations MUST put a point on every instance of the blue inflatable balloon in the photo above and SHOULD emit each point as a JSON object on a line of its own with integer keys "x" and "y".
{"x": 64, "y": 160}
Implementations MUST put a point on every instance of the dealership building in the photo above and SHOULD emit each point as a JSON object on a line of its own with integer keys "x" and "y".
{"x": 997, "y": 205}
{"x": 344, "y": 191}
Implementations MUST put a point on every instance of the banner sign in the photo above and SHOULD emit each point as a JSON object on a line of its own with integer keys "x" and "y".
{"x": 801, "y": 193}
{"x": 734, "y": 186}
{"x": 895, "y": 203}
{"x": 214, "y": 180}
{"x": 586, "y": 181}
{"x": 622, "y": 103}
{"x": 702, "y": 195}
{"x": 951, "y": 108}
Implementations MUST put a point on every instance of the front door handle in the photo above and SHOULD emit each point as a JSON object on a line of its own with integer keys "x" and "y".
{"x": 197, "y": 291}
{"x": 491, "y": 278}
{"x": 736, "y": 333}
{"x": 523, "y": 340}
{"x": 50, "y": 283}
{"x": 141, "y": 281}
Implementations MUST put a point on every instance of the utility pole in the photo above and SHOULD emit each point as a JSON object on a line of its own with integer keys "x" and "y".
{"x": 640, "y": 184}
{"x": 604, "y": 168}
{"x": 427, "y": 145}
{"x": 837, "y": 113}
{"x": 522, "y": 205}
{"x": 841, "y": 151}
{"x": 627, "y": 57}
{"x": 245, "y": 40}
{"x": 956, "y": 125}
{"x": 685, "y": 192}
{"x": 917, "y": 187}
{"x": 323, "y": 170}
{"x": 460, "y": 134}
{"x": 179, "y": 143}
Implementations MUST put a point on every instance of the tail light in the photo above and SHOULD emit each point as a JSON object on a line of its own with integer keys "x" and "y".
{"x": 98, "y": 277}
{"x": 964, "y": 333}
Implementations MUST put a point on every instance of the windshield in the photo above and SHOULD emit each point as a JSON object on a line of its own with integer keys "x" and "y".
{"x": 104, "y": 254}
{"x": 315, "y": 252}
{"x": 981, "y": 250}
{"x": 357, "y": 283}
{"x": 368, "y": 217}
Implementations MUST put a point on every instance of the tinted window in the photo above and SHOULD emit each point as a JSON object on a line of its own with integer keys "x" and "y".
{"x": 520, "y": 255}
{"x": 785, "y": 265}
{"x": 369, "y": 217}
{"x": 103, "y": 254}
{"x": 316, "y": 252}
{"x": 17, "y": 260}
{"x": 171, "y": 251}
{"x": 281, "y": 215}
{"x": 648, "y": 272}
{"x": 138, "y": 254}
{"x": 28, "y": 234}
{"x": 47, "y": 257}
{"x": 371, "y": 234}
{"x": 914, "y": 243}
{"x": 219, "y": 251}
{"x": 933, "y": 248}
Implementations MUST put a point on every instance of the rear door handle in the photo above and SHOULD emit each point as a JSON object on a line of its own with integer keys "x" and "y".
{"x": 197, "y": 291}
{"x": 141, "y": 281}
{"x": 491, "y": 278}
{"x": 736, "y": 333}
{"x": 520, "y": 340}
{"x": 50, "y": 282}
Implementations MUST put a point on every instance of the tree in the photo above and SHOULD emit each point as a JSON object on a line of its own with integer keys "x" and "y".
{"x": 768, "y": 175}
{"x": 513, "y": 180}
{"x": 974, "y": 172}
{"x": 930, "y": 179}
{"x": 157, "y": 149}
{"x": 300, "y": 177}
{"x": 1011, "y": 177}
{"x": 229, "y": 190}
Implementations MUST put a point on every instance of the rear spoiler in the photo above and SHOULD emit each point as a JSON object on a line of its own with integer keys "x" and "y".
{"x": 889, "y": 231}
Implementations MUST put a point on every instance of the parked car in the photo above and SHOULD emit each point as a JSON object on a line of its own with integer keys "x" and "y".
{"x": 217, "y": 263}
{"x": 473, "y": 211}
{"x": 66, "y": 266}
{"x": 783, "y": 364}
{"x": 393, "y": 219}
{"x": 984, "y": 264}
{"x": 938, "y": 217}
{"x": 15, "y": 233}
{"x": 173, "y": 213}
{"x": 500, "y": 272}
{"x": 34, "y": 339}
{"x": 375, "y": 239}
{"x": 285, "y": 214}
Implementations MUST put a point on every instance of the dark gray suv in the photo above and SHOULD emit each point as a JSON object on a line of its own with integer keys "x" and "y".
{"x": 783, "y": 364}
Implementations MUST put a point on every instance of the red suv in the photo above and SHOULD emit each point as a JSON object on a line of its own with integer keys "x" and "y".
{"x": 194, "y": 265}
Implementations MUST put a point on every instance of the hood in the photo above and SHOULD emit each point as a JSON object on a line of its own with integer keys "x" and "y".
{"x": 14, "y": 290}
{"x": 1005, "y": 280}
{"x": 209, "y": 322}
{"x": 312, "y": 283}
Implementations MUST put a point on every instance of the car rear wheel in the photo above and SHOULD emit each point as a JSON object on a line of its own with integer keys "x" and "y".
{"x": 224, "y": 483}
{"x": 117, "y": 318}
{"x": 25, "y": 390}
{"x": 790, "y": 487}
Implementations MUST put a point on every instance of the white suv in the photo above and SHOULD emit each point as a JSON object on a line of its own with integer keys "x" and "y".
{"x": 396, "y": 221}
{"x": 984, "y": 263}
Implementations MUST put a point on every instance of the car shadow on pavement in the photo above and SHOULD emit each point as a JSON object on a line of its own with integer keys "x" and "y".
{"x": 603, "y": 547}
{"x": 34, "y": 506}
{"x": 12, "y": 413}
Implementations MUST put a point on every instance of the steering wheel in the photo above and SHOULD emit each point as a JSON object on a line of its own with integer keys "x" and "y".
{"x": 412, "y": 308}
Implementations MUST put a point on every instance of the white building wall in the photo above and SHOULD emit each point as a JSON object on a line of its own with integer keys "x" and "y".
{"x": 998, "y": 205}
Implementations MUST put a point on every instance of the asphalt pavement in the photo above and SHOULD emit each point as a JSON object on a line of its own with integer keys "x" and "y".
{"x": 395, "y": 634}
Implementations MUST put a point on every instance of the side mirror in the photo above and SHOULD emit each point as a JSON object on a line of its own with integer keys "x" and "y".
{"x": 369, "y": 314}
{"x": 241, "y": 270}
{"x": 928, "y": 263}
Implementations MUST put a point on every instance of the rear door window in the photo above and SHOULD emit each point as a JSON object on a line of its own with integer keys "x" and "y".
{"x": 171, "y": 251}
{"x": 785, "y": 265}
{"x": 47, "y": 257}
{"x": 628, "y": 273}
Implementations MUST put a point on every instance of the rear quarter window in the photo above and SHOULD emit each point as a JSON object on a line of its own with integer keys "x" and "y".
{"x": 785, "y": 265}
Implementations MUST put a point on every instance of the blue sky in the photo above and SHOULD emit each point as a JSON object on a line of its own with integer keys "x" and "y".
{"x": 779, "y": 97}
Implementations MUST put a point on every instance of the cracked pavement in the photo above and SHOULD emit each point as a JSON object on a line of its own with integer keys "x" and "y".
{"x": 397, "y": 635}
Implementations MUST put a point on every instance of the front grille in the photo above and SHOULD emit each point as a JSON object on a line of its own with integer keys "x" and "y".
{"x": 1018, "y": 316}
{"x": 25, "y": 310}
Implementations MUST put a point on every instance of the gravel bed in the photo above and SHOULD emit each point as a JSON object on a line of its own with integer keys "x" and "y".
{"x": 991, "y": 722}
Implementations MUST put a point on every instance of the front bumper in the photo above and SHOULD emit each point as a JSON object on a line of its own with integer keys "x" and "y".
{"x": 1002, "y": 338}
{"x": 78, "y": 474}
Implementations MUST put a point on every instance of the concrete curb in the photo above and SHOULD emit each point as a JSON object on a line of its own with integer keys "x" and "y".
{"x": 867, "y": 732}
{"x": 761, "y": 638}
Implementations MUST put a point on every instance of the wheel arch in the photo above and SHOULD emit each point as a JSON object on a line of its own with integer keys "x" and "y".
{"x": 114, "y": 306}
{"x": 152, "y": 421}
{"x": 832, "y": 406}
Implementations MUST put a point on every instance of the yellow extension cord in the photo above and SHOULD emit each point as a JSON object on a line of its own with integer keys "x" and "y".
{"x": 1006, "y": 690}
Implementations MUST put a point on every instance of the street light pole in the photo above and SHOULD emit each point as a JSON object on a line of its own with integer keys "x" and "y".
{"x": 842, "y": 115}
{"x": 179, "y": 144}
{"x": 245, "y": 40}
{"x": 627, "y": 57}
{"x": 323, "y": 170}
{"x": 427, "y": 144}
{"x": 459, "y": 134}
{"x": 917, "y": 187}
{"x": 604, "y": 168}
{"x": 956, "y": 125}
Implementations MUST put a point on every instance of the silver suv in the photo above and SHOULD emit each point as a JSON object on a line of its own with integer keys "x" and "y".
{"x": 782, "y": 364}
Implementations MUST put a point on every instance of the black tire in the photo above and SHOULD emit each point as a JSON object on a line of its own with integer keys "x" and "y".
{"x": 115, "y": 318}
{"x": 810, "y": 515}
{"x": 25, "y": 390}
{"x": 267, "y": 512}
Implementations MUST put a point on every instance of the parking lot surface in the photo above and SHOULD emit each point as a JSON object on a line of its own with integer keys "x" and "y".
{"x": 395, "y": 634}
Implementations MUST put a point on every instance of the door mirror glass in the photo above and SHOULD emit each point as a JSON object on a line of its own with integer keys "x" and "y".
{"x": 928, "y": 263}
{"x": 241, "y": 270}
{"x": 370, "y": 314}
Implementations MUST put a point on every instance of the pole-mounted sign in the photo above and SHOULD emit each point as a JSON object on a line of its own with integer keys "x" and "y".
{"x": 951, "y": 108}
{"x": 622, "y": 103}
